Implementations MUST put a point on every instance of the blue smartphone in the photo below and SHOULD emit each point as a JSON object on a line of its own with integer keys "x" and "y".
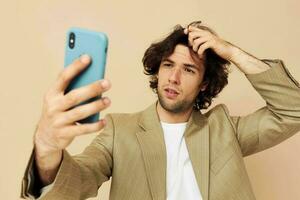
{"x": 81, "y": 41}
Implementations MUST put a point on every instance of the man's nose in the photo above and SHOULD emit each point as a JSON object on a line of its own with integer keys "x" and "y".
{"x": 175, "y": 76}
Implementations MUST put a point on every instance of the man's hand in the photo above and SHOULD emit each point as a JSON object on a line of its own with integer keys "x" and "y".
{"x": 201, "y": 40}
{"x": 57, "y": 126}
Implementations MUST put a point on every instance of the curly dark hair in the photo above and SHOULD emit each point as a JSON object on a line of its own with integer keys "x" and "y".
{"x": 216, "y": 70}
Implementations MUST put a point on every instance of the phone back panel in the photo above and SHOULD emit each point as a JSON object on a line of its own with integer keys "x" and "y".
{"x": 95, "y": 45}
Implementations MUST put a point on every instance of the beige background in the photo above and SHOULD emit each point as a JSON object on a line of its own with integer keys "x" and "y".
{"x": 32, "y": 48}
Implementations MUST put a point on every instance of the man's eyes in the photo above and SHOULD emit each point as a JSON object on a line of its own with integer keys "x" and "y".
{"x": 167, "y": 64}
{"x": 189, "y": 70}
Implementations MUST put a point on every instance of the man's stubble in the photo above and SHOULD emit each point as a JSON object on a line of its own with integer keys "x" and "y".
{"x": 178, "y": 107}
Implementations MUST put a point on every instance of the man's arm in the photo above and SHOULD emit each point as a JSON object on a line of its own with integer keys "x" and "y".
{"x": 201, "y": 40}
{"x": 77, "y": 176}
{"x": 280, "y": 118}
{"x": 247, "y": 63}
{"x": 57, "y": 128}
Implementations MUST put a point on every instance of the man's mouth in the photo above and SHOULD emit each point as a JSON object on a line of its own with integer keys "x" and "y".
{"x": 171, "y": 93}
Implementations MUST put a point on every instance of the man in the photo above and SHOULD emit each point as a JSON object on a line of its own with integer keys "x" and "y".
{"x": 170, "y": 150}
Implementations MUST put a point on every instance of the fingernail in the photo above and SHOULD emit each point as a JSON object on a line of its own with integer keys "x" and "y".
{"x": 106, "y": 100}
{"x": 85, "y": 59}
{"x": 105, "y": 84}
{"x": 103, "y": 121}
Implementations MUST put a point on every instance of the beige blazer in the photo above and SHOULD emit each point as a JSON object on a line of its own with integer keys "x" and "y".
{"x": 131, "y": 148}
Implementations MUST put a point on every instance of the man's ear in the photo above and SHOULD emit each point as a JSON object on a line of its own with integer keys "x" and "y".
{"x": 203, "y": 86}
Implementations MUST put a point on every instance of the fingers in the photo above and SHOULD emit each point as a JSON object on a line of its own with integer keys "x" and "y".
{"x": 198, "y": 42}
{"x": 199, "y": 39}
{"x": 70, "y": 72}
{"x": 83, "y": 111}
{"x": 76, "y": 96}
{"x": 195, "y": 35}
{"x": 192, "y": 29}
{"x": 82, "y": 129}
{"x": 202, "y": 48}
{"x": 186, "y": 31}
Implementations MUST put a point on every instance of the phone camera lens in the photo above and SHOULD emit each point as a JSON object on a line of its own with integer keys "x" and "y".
{"x": 72, "y": 40}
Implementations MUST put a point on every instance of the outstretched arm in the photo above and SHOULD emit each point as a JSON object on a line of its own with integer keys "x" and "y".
{"x": 280, "y": 118}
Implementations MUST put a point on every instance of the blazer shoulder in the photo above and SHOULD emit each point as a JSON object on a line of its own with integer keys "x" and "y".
{"x": 124, "y": 121}
{"x": 220, "y": 110}
{"x": 119, "y": 117}
{"x": 220, "y": 113}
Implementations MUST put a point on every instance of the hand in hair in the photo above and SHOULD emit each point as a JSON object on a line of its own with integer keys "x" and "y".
{"x": 201, "y": 39}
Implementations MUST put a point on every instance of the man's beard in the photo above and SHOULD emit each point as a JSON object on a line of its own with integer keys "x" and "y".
{"x": 178, "y": 107}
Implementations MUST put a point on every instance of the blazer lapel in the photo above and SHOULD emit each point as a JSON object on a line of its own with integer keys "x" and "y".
{"x": 197, "y": 141}
{"x": 153, "y": 148}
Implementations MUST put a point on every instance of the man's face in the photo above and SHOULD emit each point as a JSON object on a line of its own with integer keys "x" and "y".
{"x": 179, "y": 80}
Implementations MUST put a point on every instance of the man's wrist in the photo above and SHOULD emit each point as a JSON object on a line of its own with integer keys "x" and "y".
{"x": 235, "y": 54}
{"x": 246, "y": 62}
{"x": 48, "y": 166}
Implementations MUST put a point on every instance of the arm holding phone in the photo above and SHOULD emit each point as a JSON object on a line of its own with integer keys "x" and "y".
{"x": 71, "y": 108}
{"x": 56, "y": 128}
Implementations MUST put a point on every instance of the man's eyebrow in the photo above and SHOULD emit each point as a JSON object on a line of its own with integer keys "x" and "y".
{"x": 167, "y": 60}
{"x": 185, "y": 64}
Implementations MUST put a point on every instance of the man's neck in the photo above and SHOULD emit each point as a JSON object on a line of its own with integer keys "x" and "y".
{"x": 170, "y": 117}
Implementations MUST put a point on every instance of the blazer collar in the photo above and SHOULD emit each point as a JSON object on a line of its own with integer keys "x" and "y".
{"x": 152, "y": 144}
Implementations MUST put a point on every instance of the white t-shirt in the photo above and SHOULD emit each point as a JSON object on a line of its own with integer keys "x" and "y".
{"x": 181, "y": 180}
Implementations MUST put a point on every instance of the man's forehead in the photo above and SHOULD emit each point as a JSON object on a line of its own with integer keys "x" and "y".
{"x": 186, "y": 55}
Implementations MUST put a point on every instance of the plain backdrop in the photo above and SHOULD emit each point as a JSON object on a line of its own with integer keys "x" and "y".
{"x": 32, "y": 53}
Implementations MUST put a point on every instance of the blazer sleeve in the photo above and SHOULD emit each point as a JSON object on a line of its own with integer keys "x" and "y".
{"x": 80, "y": 176}
{"x": 279, "y": 119}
